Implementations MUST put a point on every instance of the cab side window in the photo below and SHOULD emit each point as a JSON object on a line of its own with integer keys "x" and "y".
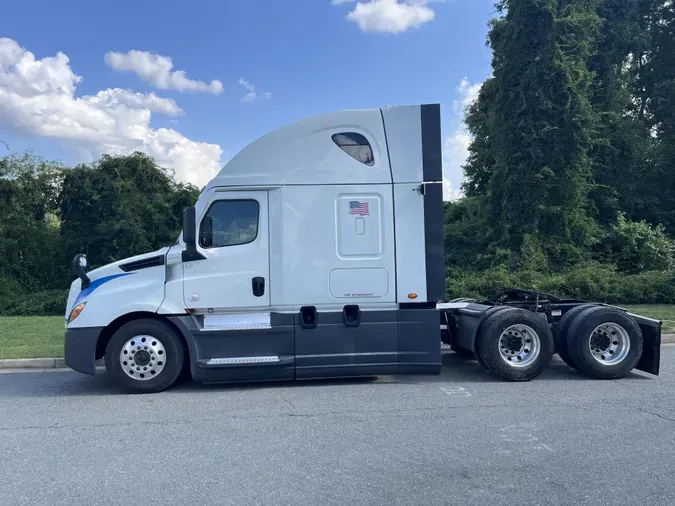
{"x": 229, "y": 223}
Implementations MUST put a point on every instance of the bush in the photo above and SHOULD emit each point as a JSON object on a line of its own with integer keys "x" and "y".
{"x": 44, "y": 303}
{"x": 598, "y": 283}
{"x": 637, "y": 247}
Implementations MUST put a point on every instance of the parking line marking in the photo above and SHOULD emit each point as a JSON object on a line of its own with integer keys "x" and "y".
{"x": 456, "y": 391}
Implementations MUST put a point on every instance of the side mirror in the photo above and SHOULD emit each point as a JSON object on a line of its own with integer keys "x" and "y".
{"x": 79, "y": 263}
{"x": 190, "y": 252}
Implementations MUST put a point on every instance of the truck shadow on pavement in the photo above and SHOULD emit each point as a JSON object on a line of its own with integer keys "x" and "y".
{"x": 458, "y": 369}
{"x": 455, "y": 369}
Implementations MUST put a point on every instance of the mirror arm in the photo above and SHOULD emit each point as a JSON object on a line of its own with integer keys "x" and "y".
{"x": 78, "y": 265}
{"x": 190, "y": 253}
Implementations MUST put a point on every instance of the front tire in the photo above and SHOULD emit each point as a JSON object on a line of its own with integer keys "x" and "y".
{"x": 145, "y": 356}
{"x": 516, "y": 345}
{"x": 605, "y": 342}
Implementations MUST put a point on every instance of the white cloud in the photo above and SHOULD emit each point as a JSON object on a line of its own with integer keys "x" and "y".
{"x": 389, "y": 16}
{"x": 37, "y": 97}
{"x": 456, "y": 146}
{"x": 252, "y": 92}
{"x": 467, "y": 94}
{"x": 156, "y": 70}
{"x": 116, "y": 97}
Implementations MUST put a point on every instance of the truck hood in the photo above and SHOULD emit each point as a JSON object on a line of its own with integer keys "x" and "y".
{"x": 135, "y": 266}
{"x": 117, "y": 267}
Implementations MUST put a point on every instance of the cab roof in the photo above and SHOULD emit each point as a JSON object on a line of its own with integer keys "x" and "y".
{"x": 344, "y": 147}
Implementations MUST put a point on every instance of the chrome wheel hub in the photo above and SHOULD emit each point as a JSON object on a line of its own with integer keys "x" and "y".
{"x": 143, "y": 357}
{"x": 519, "y": 345}
{"x": 609, "y": 343}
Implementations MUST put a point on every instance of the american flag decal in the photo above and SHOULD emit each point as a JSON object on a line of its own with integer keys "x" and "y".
{"x": 360, "y": 208}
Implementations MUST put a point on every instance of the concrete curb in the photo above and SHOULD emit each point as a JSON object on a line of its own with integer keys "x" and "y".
{"x": 59, "y": 362}
{"x": 36, "y": 363}
{"x": 31, "y": 363}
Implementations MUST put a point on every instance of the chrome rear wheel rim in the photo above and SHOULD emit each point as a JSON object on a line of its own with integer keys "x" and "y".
{"x": 519, "y": 345}
{"x": 609, "y": 343}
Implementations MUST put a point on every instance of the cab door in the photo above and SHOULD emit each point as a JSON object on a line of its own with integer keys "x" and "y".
{"x": 233, "y": 236}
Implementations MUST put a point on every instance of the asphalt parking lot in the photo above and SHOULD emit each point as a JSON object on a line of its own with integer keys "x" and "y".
{"x": 461, "y": 438}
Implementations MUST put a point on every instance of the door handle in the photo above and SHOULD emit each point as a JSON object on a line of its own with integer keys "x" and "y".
{"x": 258, "y": 286}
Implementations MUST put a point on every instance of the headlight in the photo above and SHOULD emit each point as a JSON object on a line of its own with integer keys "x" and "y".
{"x": 76, "y": 311}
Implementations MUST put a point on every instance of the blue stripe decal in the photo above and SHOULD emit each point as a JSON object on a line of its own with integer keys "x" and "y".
{"x": 95, "y": 284}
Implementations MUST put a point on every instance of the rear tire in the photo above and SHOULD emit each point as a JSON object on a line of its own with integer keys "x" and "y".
{"x": 604, "y": 342}
{"x": 561, "y": 331}
{"x": 515, "y": 344}
{"x": 145, "y": 356}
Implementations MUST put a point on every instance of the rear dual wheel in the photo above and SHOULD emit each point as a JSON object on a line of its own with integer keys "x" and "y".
{"x": 515, "y": 344}
{"x": 602, "y": 342}
{"x": 561, "y": 331}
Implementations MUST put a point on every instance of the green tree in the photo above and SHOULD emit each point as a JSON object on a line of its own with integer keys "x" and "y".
{"x": 29, "y": 230}
{"x": 574, "y": 126}
{"x": 119, "y": 207}
{"x": 479, "y": 119}
{"x": 657, "y": 78}
{"x": 541, "y": 127}
{"x": 620, "y": 136}
{"x": 637, "y": 246}
{"x": 466, "y": 229}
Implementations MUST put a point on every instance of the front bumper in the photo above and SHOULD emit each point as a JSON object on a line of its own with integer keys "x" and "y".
{"x": 80, "y": 348}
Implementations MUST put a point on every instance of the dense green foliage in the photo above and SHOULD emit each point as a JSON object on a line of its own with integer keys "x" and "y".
{"x": 121, "y": 207}
{"x": 115, "y": 208}
{"x": 595, "y": 282}
{"x": 29, "y": 229}
{"x": 27, "y": 303}
{"x": 571, "y": 172}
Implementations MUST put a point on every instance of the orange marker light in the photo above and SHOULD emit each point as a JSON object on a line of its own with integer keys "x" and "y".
{"x": 76, "y": 312}
{"x": 412, "y": 295}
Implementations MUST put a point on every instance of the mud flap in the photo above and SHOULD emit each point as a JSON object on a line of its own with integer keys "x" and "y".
{"x": 650, "y": 362}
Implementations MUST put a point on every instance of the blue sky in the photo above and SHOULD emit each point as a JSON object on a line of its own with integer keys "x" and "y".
{"x": 304, "y": 57}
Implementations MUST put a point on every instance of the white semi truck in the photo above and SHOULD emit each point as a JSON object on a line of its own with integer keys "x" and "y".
{"x": 318, "y": 252}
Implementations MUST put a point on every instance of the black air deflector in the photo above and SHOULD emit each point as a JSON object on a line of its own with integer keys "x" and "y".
{"x": 432, "y": 170}
{"x": 144, "y": 263}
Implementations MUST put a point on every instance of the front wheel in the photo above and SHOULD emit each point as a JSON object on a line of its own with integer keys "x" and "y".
{"x": 145, "y": 356}
{"x": 516, "y": 345}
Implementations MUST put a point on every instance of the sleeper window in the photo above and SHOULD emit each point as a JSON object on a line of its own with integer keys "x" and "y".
{"x": 229, "y": 223}
{"x": 356, "y": 146}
